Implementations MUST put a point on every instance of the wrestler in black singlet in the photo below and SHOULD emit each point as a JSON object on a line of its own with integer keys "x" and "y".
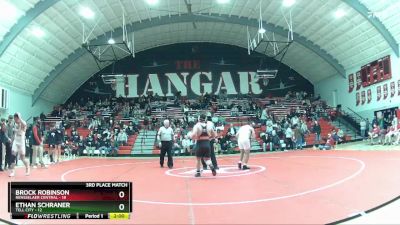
{"x": 203, "y": 146}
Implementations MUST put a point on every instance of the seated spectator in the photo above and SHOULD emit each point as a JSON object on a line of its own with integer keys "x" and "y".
{"x": 390, "y": 135}
{"x": 235, "y": 111}
{"x": 330, "y": 143}
{"x": 187, "y": 145}
{"x": 340, "y": 134}
{"x": 122, "y": 138}
{"x": 374, "y": 134}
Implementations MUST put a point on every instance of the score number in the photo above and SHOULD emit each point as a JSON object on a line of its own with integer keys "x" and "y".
{"x": 121, "y": 206}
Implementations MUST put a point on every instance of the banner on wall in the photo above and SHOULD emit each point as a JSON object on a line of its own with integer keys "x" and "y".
{"x": 392, "y": 89}
{"x": 369, "y": 96}
{"x": 385, "y": 91}
{"x": 362, "y": 97}
{"x": 398, "y": 87}
{"x": 357, "y": 98}
{"x": 351, "y": 82}
{"x": 358, "y": 80}
{"x": 378, "y": 93}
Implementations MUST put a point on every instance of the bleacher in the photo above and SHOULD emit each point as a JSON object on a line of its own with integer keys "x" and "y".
{"x": 143, "y": 143}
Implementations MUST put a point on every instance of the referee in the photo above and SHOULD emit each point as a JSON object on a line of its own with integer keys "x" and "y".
{"x": 165, "y": 137}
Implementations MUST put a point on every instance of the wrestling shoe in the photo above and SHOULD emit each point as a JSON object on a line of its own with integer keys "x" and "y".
{"x": 12, "y": 174}
{"x": 240, "y": 166}
{"x": 245, "y": 167}
{"x": 214, "y": 172}
{"x": 198, "y": 174}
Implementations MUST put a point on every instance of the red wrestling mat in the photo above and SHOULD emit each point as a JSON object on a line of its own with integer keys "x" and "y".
{"x": 286, "y": 187}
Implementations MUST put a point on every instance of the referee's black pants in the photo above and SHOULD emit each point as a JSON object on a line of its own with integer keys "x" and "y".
{"x": 166, "y": 147}
{"x": 212, "y": 156}
{"x": 7, "y": 161}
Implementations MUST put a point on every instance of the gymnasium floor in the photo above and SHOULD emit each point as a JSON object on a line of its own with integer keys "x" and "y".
{"x": 307, "y": 187}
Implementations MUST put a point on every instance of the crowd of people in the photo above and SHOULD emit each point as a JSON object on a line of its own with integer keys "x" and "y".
{"x": 112, "y": 121}
{"x": 384, "y": 130}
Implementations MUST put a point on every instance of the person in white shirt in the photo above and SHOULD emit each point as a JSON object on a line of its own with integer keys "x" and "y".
{"x": 122, "y": 138}
{"x": 363, "y": 128}
{"x": 203, "y": 132}
{"x": 186, "y": 143}
{"x": 165, "y": 136}
{"x": 18, "y": 146}
{"x": 244, "y": 134}
{"x": 289, "y": 138}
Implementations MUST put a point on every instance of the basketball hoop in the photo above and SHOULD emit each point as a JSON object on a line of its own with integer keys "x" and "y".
{"x": 266, "y": 75}
{"x": 265, "y": 81}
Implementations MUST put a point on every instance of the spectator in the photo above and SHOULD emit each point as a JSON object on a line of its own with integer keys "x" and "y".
{"x": 340, "y": 134}
{"x": 329, "y": 143}
{"x": 187, "y": 145}
{"x": 122, "y": 138}
{"x": 317, "y": 131}
{"x": 289, "y": 138}
{"x": 389, "y": 135}
{"x": 374, "y": 133}
{"x": 363, "y": 128}
{"x": 298, "y": 137}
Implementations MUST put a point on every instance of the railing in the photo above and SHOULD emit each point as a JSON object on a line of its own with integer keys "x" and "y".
{"x": 358, "y": 115}
{"x": 351, "y": 120}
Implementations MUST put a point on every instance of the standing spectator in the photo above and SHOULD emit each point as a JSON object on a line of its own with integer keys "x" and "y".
{"x": 165, "y": 137}
{"x": 9, "y": 136}
{"x": 289, "y": 138}
{"x": 363, "y": 128}
{"x": 298, "y": 137}
{"x": 37, "y": 143}
{"x": 2, "y": 140}
{"x": 317, "y": 131}
{"x": 367, "y": 126}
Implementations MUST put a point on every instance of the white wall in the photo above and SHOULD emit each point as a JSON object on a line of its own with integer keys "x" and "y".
{"x": 346, "y": 99}
{"x": 22, "y": 102}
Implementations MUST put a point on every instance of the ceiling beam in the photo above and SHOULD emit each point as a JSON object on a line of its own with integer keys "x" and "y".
{"x": 375, "y": 22}
{"x": 165, "y": 20}
{"x": 24, "y": 21}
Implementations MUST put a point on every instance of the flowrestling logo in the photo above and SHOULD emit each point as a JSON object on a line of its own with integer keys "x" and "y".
{"x": 223, "y": 172}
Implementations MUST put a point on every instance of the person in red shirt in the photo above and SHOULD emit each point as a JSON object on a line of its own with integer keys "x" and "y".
{"x": 374, "y": 133}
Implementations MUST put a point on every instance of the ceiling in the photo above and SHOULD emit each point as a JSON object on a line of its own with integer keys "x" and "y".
{"x": 54, "y": 66}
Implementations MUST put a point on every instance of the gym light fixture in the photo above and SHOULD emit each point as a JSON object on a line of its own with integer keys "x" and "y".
{"x": 86, "y": 12}
{"x": 37, "y": 32}
{"x": 223, "y": 1}
{"x": 152, "y": 2}
{"x": 339, "y": 13}
{"x": 111, "y": 41}
{"x": 288, "y": 3}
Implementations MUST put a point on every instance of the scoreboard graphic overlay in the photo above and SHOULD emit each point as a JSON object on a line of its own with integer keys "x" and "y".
{"x": 70, "y": 200}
